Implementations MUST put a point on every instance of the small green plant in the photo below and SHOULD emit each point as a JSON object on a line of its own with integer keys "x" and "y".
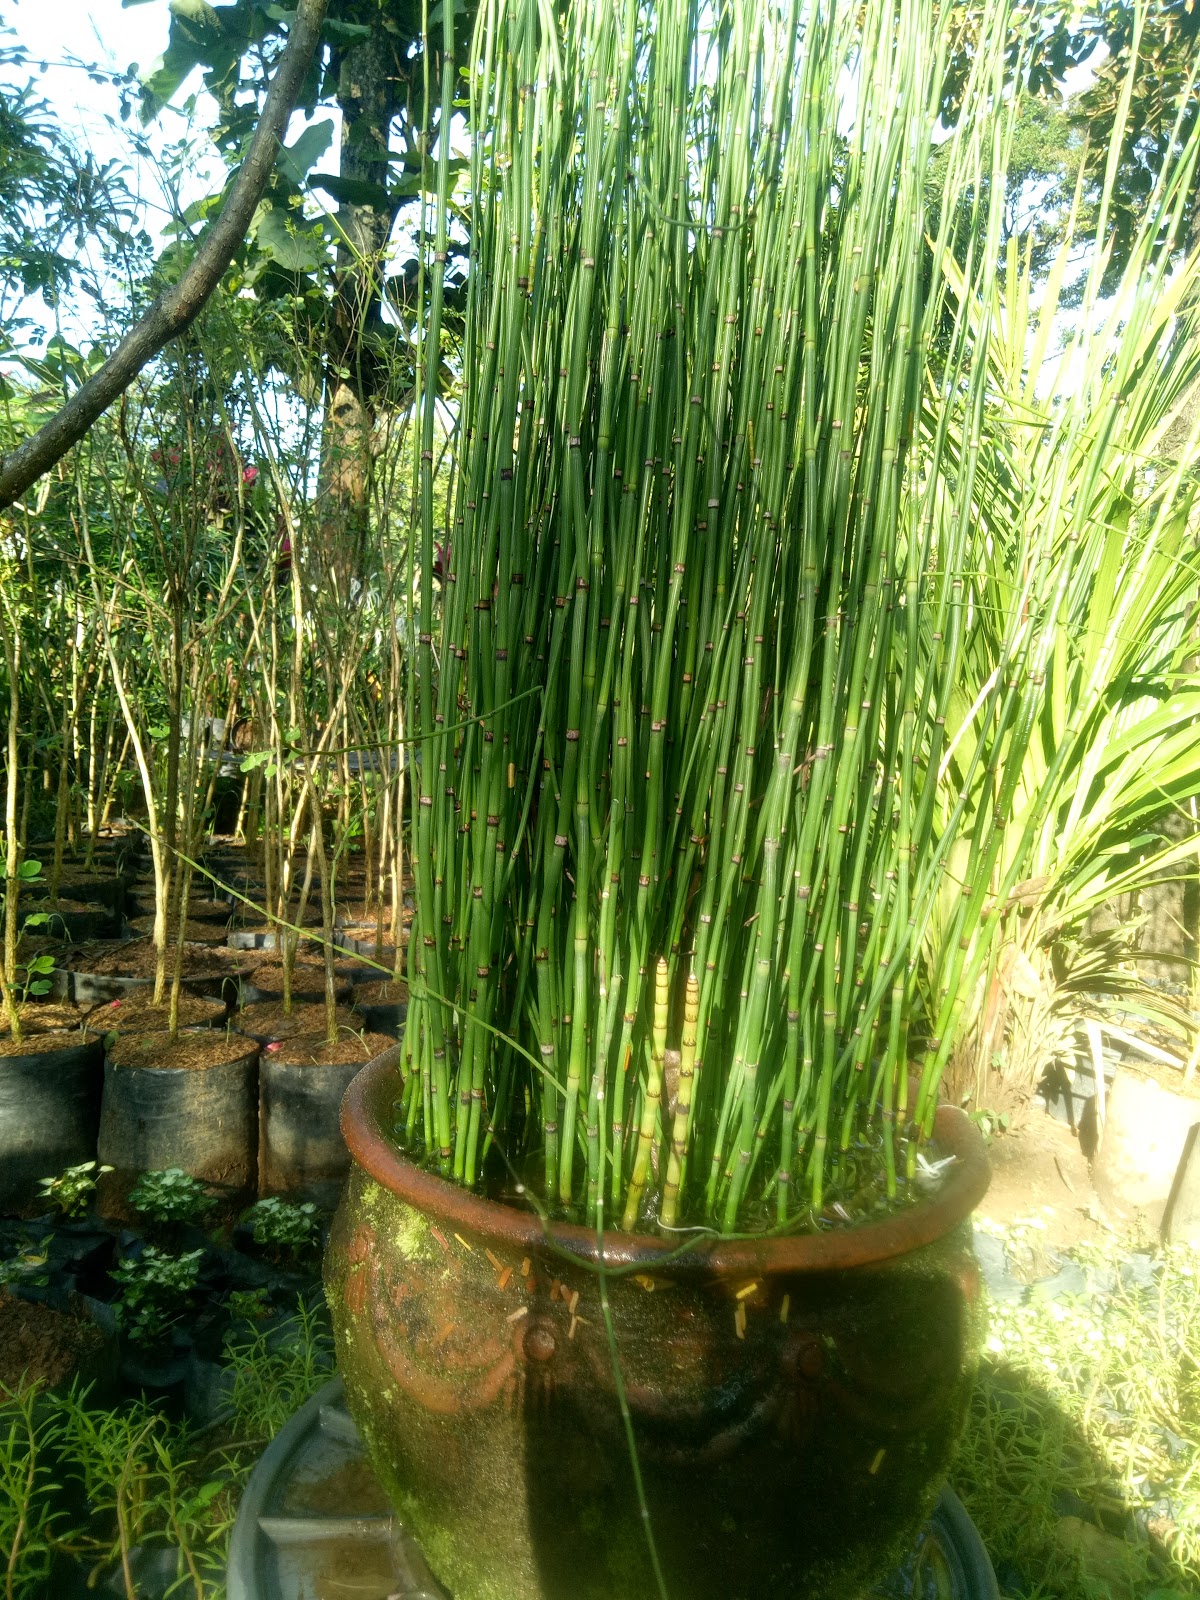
{"x": 284, "y": 1225}
{"x": 171, "y": 1196}
{"x": 990, "y": 1123}
{"x": 155, "y": 1287}
{"x": 26, "y": 1269}
{"x": 27, "y": 1513}
{"x": 276, "y": 1372}
{"x": 34, "y": 976}
{"x": 249, "y": 1305}
{"x": 138, "y": 1477}
{"x": 28, "y": 871}
{"x": 71, "y": 1190}
{"x": 1093, "y": 1397}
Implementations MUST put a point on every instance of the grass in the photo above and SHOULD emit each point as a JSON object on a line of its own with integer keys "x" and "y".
{"x": 1088, "y": 1408}
{"x": 88, "y": 1484}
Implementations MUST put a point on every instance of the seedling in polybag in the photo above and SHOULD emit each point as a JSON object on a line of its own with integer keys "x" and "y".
{"x": 71, "y": 1190}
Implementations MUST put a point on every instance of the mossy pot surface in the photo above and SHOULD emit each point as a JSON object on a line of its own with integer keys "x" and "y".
{"x": 795, "y": 1402}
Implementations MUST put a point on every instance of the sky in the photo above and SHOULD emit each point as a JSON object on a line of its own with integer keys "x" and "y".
{"x": 71, "y": 35}
{"x": 67, "y": 35}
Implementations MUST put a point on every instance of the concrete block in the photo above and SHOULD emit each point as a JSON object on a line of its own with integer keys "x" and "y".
{"x": 1181, "y": 1223}
{"x": 1145, "y": 1128}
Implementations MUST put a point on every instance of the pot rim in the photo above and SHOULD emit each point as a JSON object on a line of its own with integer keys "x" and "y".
{"x": 366, "y": 1109}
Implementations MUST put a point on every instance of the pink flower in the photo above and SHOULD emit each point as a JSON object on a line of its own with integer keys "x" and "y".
{"x": 249, "y": 474}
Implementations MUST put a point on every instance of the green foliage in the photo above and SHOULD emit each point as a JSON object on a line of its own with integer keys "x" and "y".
{"x": 877, "y": 677}
{"x": 1140, "y": 102}
{"x": 290, "y": 241}
{"x": 1093, "y": 1398}
{"x": 34, "y": 975}
{"x": 84, "y": 1482}
{"x": 52, "y": 198}
{"x": 155, "y": 1291}
{"x": 276, "y": 1370}
{"x": 284, "y": 1224}
{"x": 30, "y": 871}
{"x": 88, "y": 1482}
{"x": 249, "y": 1305}
{"x": 26, "y": 1267}
{"x": 171, "y": 1196}
{"x": 27, "y": 1468}
{"x": 1152, "y": 56}
{"x": 71, "y": 1190}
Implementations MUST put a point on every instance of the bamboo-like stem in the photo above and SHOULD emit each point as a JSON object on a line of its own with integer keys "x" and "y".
{"x": 746, "y": 493}
{"x": 648, "y": 1131}
{"x": 683, "y": 1104}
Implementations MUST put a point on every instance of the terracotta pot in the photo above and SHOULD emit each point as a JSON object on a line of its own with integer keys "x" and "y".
{"x": 795, "y": 1402}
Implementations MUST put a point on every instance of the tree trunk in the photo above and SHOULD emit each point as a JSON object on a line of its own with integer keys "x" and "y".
{"x": 355, "y": 370}
{"x": 12, "y": 848}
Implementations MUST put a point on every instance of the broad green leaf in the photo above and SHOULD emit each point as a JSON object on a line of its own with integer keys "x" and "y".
{"x": 297, "y": 249}
{"x": 345, "y": 32}
{"x": 296, "y": 159}
{"x": 166, "y": 74}
{"x": 354, "y": 191}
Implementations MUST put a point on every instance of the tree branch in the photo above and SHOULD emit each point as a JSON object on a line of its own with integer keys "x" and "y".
{"x": 177, "y": 307}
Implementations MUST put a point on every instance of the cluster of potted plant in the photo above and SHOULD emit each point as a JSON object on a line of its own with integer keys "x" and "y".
{"x": 230, "y": 1082}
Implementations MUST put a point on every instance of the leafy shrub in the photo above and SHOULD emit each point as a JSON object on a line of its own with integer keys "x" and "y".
{"x": 171, "y": 1196}
{"x": 71, "y": 1190}
{"x": 277, "y": 1370}
{"x": 284, "y": 1225}
{"x": 155, "y": 1288}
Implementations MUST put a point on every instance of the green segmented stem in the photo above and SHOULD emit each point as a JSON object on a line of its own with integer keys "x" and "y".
{"x": 683, "y": 1102}
{"x": 786, "y": 624}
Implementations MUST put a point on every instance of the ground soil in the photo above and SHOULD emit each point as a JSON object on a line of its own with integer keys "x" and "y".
{"x": 193, "y": 1051}
{"x": 381, "y": 994}
{"x": 210, "y": 910}
{"x": 267, "y": 1019}
{"x": 359, "y": 971}
{"x": 1166, "y": 1077}
{"x": 135, "y": 958}
{"x": 201, "y": 910}
{"x": 36, "y": 1044}
{"x": 310, "y": 1050}
{"x": 193, "y": 932}
{"x": 75, "y": 885}
{"x": 51, "y": 1016}
{"x": 384, "y": 952}
{"x": 1039, "y": 1171}
{"x": 43, "y": 1345}
{"x": 143, "y": 1016}
{"x": 62, "y": 905}
{"x": 367, "y": 926}
{"x": 308, "y": 977}
{"x": 254, "y": 924}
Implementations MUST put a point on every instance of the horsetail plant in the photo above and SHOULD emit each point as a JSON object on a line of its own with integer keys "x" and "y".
{"x": 733, "y": 451}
